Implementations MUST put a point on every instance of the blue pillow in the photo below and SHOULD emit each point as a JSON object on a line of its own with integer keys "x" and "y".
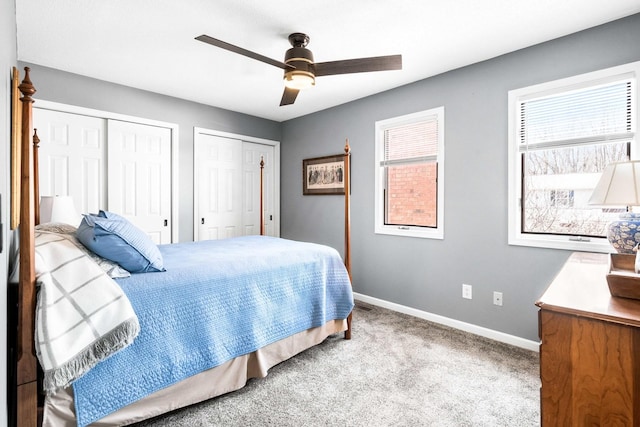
{"x": 115, "y": 238}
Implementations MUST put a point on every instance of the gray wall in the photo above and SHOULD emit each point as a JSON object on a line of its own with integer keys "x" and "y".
{"x": 7, "y": 62}
{"x": 427, "y": 274}
{"x": 72, "y": 89}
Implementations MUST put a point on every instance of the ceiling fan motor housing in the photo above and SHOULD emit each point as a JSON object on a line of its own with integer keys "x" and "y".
{"x": 305, "y": 71}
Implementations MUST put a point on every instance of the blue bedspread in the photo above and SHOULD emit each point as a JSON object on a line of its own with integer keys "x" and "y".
{"x": 217, "y": 300}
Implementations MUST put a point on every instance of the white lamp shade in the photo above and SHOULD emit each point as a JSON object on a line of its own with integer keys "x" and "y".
{"x": 58, "y": 209}
{"x": 619, "y": 185}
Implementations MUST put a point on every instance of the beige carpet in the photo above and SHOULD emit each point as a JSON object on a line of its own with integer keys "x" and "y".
{"x": 396, "y": 371}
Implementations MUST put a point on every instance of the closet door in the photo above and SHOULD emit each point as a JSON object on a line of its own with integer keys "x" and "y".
{"x": 227, "y": 187}
{"x": 218, "y": 187}
{"x": 252, "y": 154}
{"x": 72, "y": 158}
{"x": 139, "y": 170}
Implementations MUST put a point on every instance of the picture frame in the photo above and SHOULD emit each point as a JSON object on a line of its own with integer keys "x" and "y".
{"x": 323, "y": 175}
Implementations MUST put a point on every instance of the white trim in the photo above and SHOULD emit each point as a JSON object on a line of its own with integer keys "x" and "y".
{"x": 515, "y": 236}
{"x": 408, "y": 231}
{"x": 65, "y": 108}
{"x": 235, "y": 136}
{"x": 276, "y": 170}
{"x": 175, "y": 140}
{"x": 453, "y": 323}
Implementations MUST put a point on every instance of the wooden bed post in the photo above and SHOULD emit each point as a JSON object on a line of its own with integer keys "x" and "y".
{"x": 27, "y": 364}
{"x": 347, "y": 222}
{"x": 262, "y": 195}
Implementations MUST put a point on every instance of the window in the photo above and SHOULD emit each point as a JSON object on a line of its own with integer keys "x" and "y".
{"x": 562, "y": 134}
{"x": 409, "y": 175}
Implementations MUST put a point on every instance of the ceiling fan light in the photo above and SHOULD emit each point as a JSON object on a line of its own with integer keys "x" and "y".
{"x": 298, "y": 79}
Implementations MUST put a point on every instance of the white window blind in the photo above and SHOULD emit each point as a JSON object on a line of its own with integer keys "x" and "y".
{"x": 411, "y": 143}
{"x": 595, "y": 114}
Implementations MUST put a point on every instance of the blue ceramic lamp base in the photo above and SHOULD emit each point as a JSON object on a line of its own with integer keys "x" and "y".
{"x": 624, "y": 234}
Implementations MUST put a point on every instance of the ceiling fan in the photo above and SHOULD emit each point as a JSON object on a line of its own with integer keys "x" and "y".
{"x": 300, "y": 71}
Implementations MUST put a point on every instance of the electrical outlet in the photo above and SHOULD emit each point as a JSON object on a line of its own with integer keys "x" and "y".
{"x": 497, "y": 298}
{"x": 466, "y": 291}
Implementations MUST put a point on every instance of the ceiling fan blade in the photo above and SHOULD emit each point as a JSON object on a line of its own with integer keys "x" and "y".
{"x": 360, "y": 65}
{"x": 233, "y": 48}
{"x": 289, "y": 96}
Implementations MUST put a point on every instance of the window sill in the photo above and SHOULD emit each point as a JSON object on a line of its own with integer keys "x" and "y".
{"x": 430, "y": 233}
{"x": 591, "y": 244}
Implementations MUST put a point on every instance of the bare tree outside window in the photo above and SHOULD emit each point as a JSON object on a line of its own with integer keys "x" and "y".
{"x": 560, "y": 172}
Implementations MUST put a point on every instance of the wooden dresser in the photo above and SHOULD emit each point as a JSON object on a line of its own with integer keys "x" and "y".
{"x": 590, "y": 349}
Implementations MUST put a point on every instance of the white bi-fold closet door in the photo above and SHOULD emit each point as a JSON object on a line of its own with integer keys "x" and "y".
{"x": 109, "y": 164}
{"x": 227, "y": 185}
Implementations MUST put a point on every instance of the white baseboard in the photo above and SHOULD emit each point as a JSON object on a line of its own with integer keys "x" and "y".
{"x": 463, "y": 326}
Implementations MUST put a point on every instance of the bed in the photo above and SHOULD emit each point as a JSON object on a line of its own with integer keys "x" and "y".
{"x": 213, "y": 315}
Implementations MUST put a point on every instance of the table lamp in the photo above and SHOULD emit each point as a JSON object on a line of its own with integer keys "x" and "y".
{"x": 58, "y": 209}
{"x": 619, "y": 185}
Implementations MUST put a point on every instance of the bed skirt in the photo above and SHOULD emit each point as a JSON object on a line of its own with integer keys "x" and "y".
{"x": 228, "y": 377}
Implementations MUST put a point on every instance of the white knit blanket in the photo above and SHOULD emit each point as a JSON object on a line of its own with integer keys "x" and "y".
{"x": 82, "y": 315}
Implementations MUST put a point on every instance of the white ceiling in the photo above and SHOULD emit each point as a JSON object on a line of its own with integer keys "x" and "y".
{"x": 149, "y": 44}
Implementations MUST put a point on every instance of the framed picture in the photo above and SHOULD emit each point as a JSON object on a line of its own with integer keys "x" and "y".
{"x": 323, "y": 175}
